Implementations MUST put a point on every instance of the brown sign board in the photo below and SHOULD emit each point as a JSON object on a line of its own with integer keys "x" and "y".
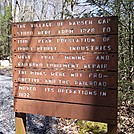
{"x": 96, "y": 43}
{"x": 68, "y": 67}
{"x": 83, "y": 26}
{"x": 66, "y": 94}
{"x": 67, "y": 110}
{"x": 66, "y": 61}
{"x": 76, "y": 78}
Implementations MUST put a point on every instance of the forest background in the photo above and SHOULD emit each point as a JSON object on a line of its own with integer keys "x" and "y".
{"x": 37, "y": 10}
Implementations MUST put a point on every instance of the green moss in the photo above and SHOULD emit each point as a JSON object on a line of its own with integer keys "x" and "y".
{"x": 86, "y": 127}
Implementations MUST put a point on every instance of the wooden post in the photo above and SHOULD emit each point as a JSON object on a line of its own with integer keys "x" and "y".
{"x": 20, "y": 119}
{"x": 112, "y": 128}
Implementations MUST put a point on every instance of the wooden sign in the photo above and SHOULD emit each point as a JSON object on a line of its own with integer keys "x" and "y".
{"x": 71, "y": 110}
{"x": 67, "y": 94}
{"x": 66, "y": 61}
{"x": 83, "y": 26}
{"x": 75, "y": 78}
{"x": 68, "y": 67}
{"x": 96, "y": 43}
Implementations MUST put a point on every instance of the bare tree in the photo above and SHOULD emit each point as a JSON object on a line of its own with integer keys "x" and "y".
{"x": 45, "y": 9}
{"x": 5, "y": 27}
